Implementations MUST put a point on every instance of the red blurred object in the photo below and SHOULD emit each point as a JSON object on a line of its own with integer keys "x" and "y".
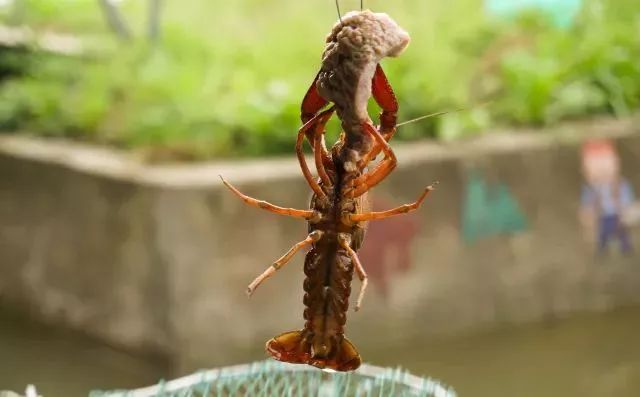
{"x": 387, "y": 249}
{"x": 597, "y": 147}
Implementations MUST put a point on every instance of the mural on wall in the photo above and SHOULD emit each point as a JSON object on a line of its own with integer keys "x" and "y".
{"x": 607, "y": 207}
{"x": 489, "y": 210}
{"x": 387, "y": 248}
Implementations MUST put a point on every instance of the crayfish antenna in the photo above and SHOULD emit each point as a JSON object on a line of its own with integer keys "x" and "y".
{"x": 436, "y": 114}
{"x": 338, "y": 9}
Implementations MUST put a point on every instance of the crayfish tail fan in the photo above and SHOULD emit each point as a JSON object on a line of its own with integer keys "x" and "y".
{"x": 349, "y": 358}
{"x": 290, "y": 347}
{"x": 296, "y": 347}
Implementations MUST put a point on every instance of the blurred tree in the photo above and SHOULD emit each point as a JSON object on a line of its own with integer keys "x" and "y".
{"x": 115, "y": 20}
{"x": 155, "y": 8}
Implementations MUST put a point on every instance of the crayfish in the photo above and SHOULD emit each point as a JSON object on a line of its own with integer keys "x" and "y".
{"x": 349, "y": 76}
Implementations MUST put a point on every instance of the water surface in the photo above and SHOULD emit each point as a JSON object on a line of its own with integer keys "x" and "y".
{"x": 63, "y": 363}
{"x": 587, "y": 355}
{"x": 592, "y": 355}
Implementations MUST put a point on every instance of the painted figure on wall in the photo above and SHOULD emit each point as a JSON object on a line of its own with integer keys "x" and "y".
{"x": 387, "y": 248}
{"x": 489, "y": 210}
{"x": 607, "y": 198}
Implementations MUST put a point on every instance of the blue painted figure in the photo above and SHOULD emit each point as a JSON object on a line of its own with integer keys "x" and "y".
{"x": 608, "y": 200}
{"x": 606, "y": 196}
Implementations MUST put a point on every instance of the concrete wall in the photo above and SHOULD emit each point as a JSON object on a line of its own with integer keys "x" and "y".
{"x": 157, "y": 258}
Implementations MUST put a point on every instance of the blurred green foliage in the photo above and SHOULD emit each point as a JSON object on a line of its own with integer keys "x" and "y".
{"x": 227, "y": 77}
{"x": 558, "y": 74}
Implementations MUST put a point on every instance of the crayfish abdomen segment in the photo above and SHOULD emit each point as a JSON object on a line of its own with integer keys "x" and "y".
{"x": 328, "y": 271}
{"x": 322, "y": 343}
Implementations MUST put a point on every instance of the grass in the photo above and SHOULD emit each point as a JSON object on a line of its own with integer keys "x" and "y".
{"x": 228, "y": 77}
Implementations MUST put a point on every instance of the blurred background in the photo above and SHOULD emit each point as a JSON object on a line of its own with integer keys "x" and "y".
{"x": 124, "y": 262}
{"x": 163, "y": 75}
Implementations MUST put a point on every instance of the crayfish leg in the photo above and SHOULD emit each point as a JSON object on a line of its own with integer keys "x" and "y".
{"x": 283, "y": 260}
{"x": 403, "y": 209}
{"x": 364, "y": 182}
{"x": 309, "y": 215}
{"x": 318, "y": 121}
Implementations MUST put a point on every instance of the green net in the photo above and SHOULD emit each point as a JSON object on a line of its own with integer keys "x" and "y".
{"x": 274, "y": 379}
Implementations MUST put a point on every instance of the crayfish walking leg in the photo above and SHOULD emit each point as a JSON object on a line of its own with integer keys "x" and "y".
{"x": 311, "y": 238}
